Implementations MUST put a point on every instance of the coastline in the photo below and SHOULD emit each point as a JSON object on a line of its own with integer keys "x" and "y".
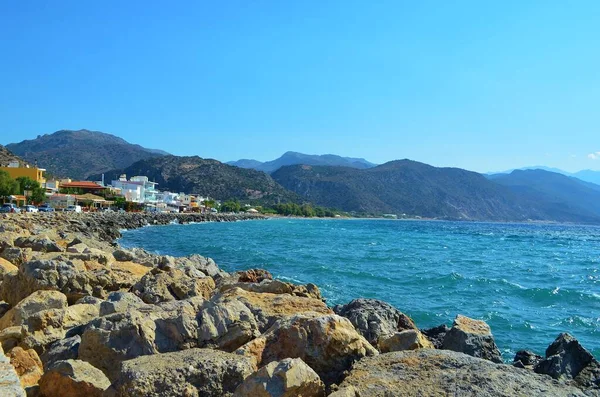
{"x": 246, "y": 318}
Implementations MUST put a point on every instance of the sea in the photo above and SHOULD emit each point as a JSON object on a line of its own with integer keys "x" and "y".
{"x": 529, "y": 282}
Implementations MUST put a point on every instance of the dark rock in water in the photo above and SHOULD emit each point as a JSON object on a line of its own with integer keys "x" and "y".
{"x": 565, "y": 358}
{"x": 436, "y": 334}
{"x": 254, "y": 276}
{"x": 192, "y": 372}
{"x": 526, "y": 359}
{"x": 64, "y": 349}
{"x": 472, "y": 337}
{"x": 373, "y": 318}
{"x": 429, "y": 372}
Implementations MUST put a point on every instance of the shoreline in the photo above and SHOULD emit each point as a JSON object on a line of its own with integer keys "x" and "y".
{"x": 69, "y": 266}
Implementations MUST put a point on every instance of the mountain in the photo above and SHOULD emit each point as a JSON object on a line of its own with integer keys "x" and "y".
{"x": 6, "y": 157}
{"x": 588, "y": 176}
{"x": 292, "y": 158}
{"x": 206, "y": 177}
{"x": 78, "y": 154}
{"x": 584, "y": 175}
{"x": 417, "y": 189}
{"x": 562, "y": 196}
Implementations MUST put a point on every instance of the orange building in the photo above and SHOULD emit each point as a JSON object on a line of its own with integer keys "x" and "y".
{"x": 15, "y": 170}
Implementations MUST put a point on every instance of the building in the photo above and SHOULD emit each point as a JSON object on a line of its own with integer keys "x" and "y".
{"x": 83, "y": 187}
{"x": 16, "y": 170}
{"x": 138, "y": 189}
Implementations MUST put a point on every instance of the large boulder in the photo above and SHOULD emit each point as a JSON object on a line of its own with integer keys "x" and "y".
{"x": 63, "y": 349}
{"x": 526, "y": 359}
{"x": 226, "y": 323}
{"x": 268, "y": 308}
{"x": 10, "y": 385}
{"x": 14, "y": 255}
{"x": 34, "y": 303}
{"x": 436, "y": 335}
{"x": 429, "y": 372}
{"x": 173, "y": 284}
{"x": 472, "y": 337}
{"x": 192, "y": 372}
{"x": 27, "y": 364}
{"x": 565, "y": 358}
{"x": 375, "y": 319}
{"x": 41, "y": 244}
{"x": 119, "y": 302}
{"x": 73, "y": 378}
{"x": 409, "y": 339}
{"x": 290, "y": 377}
{"x": 328, "y": 344}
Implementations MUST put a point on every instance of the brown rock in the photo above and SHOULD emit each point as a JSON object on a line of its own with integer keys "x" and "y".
{"x": 254, "y": 276}
{"x": 27, "y": 364}
{"x": 406, "y": 340}
{"x": 73, "y": 378}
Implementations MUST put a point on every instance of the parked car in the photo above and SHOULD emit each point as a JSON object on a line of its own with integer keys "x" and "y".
{"x": 10, "y": 208}
{"x": 29, "y": 208}
{"x": 73, "y": 208}
{"x": 45, "y": 208}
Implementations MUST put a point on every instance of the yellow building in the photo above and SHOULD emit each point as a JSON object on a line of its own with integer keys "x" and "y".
{"x": 37, "y": 174}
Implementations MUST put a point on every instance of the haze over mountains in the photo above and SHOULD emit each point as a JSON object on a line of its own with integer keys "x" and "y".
{"x": 348, "y": 184}
{"x": 585, "y": 175}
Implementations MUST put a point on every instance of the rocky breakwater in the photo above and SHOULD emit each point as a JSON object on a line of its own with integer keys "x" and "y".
{"x": 82, "y": 316}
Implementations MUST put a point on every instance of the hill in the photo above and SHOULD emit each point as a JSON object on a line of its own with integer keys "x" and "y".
{"x": 78, "y": 154}
{"x": 207, "y": 177}
{"x": 584, "y": 175}
{"x": 6, "y": 156}
{"x": 293, "y": 158}
{"x": 417, "y": 189}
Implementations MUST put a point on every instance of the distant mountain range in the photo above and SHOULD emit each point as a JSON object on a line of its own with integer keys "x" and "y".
{"x": 293, "y": 158}
{"x": 78, "y": 154}
{"x": 585, "y": 175}
{"x": 206, "y": 177}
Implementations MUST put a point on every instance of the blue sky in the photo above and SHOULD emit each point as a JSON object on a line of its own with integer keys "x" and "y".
{"x": 478, "y": 85}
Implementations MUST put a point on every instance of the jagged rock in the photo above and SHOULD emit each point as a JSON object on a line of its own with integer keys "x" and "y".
{"x": 328, "y": 344}
{"x": 27, "y": 364}
{"x": 34, "y": 303}
{"x": 4, "y": 308}
{"x": 472, "y": 337}
{"x": 205, "y": 265}
{"x": 11, "y": 337}
{"x": 409, "y": 339}
{"x": 173, "y": 284}
{"x": 39, "y": 244}
{"x": 589, "y": 379}
{"x": 123, "y": 255}
{"x": 63, "y": 349}
{"x": 75, "y": 241}
{"x": 117, "y": 337}
{"x": 526, "y": 359}
{"x": 193, "y": 372}
{"x": 7, "y": 267}
{"x": 268, "y": 308}
{"x": 307, "y": 291}
{"x": 565, "y": 358}
{"x": 14, "y": 255}
{"x": 285, "y": 378}
{"x": 265, "y": 286}
{"x": 429, "y": 372}
{"x": 118, "y": 302}
{"x": 436, "y": 335}
{"x": 254, "y": 276}
{"x": 374, "y": 318}
{"x": 348, "y": 391}
{"x": 77, "y": 248}
{"x": 73, "y": 378}
{"x": 10, "y": 385}
{"x": 226, "y": 323}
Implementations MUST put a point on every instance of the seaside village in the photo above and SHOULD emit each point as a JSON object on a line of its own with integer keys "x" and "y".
{"x": 136, "y": 193}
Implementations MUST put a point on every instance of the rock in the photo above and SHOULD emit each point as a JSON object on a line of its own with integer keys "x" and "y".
{"x": 348, "y": 391}
{"x": 526, "y": 359}
{"x": 409, "y": 339}
{"x": 328, "y": 344}
{"x": 205, "y": 265}
{"x": 63, "y": 349}
{"x": 193, "y": 372}
{"x": 254, "y": 276}
{"x": 11, "y": 337}
{"x": 119, "y": 302}
{"x": 77, "y": 248}
{"x": 7, "y": 267}
{"x": 117, "y": 337}
{"x": 265, "y": 286}
{"x": 14, "y": 255}
{"x": 374, "y": 318}
{"x": 34, "y": 303}
{"x": 589, "y": 379}
{"x": 27, "y": 364}
{"x": 173, "y": 284}
{"x": 39, "y": 244}
{"x": 75, "y": 241}
{"x": 123, "y": 255}
{"x": 565, "y": 358}
{"x": 290, "y": 377}
{"x": 10, "y": 384}
{"x": 226, "y": 323}
{"x": 436, "y": 335}
{"x": 472, "y": 337}
{"x": 73, "y": 378}
{"x": 429, "y": 372}
{"x": 268, "y": 308}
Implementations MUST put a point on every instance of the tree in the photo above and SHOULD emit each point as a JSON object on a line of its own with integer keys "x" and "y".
{"x": 36, "y": 193}
{"x": 8, "y": 185}
{"x": 231, "y": 206}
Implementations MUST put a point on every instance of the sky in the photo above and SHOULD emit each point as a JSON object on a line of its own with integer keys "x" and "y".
{"x": 486, "y": 86}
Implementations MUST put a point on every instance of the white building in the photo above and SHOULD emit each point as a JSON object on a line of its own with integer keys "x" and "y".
{"x": 137, "y": 189}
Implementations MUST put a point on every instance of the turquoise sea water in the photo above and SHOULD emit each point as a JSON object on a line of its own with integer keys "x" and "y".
{"x": 529, "y": 282}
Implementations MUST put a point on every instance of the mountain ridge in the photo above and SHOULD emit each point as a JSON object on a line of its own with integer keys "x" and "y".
{"x": 293, "y": 158}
